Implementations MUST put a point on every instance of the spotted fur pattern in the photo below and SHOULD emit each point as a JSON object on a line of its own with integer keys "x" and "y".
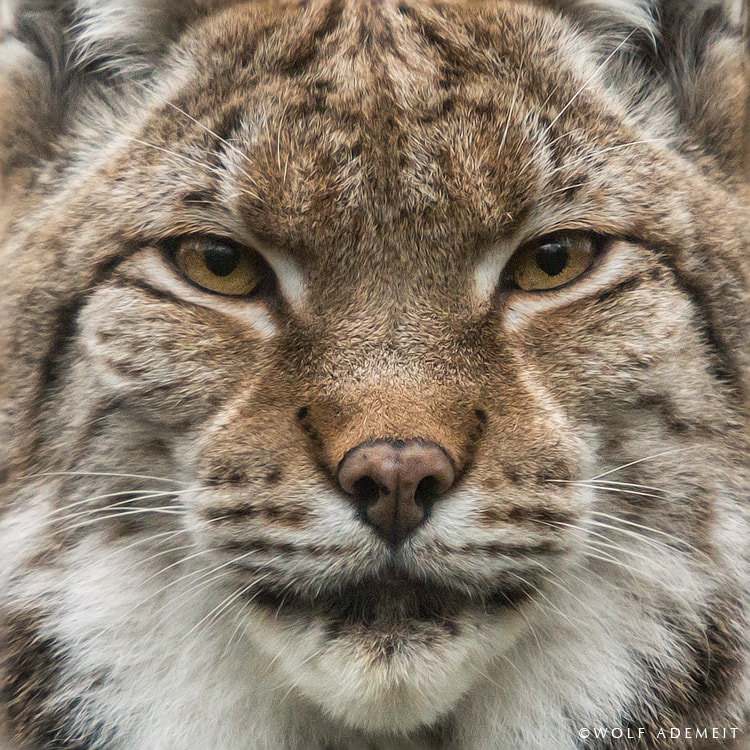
{"x": 179, "y": 568}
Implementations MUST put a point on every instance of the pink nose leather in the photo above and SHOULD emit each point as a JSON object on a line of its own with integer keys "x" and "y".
{"x": 395, "y": 484}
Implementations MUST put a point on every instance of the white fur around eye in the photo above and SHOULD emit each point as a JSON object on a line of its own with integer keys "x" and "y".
{"x": 487, "y": 273}
{"x": 158, "y": 273}
{"x": 290, "y": 277}
{"x": 524, "y": 306}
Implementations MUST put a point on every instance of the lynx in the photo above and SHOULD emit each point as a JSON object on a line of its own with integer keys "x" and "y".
{"x": 374, "y": 374}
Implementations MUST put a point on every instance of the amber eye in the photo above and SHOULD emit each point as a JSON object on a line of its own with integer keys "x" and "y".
{"x": 218, "y": 265}
{"x": 552, "y": 261}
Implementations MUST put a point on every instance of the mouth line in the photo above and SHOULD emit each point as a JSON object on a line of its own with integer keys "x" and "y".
{"x": 389, "y": 599}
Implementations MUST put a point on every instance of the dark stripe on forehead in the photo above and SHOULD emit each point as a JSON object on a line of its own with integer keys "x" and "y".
{"x": 299, "y": 59}
{"x": 456, "y": 50}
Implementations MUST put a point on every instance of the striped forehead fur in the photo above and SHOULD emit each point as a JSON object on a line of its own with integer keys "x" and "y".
{"x": 129, "y": 36}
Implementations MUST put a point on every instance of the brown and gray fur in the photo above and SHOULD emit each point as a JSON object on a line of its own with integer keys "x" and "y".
{"x": 179, "y": 568}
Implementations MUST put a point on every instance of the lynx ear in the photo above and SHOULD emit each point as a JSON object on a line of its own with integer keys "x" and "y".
{"x": 680, "y": 65}
{"x": 54, "y": 54}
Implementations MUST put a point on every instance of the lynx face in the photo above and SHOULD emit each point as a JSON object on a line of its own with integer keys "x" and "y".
{"x": 373, "y": 373}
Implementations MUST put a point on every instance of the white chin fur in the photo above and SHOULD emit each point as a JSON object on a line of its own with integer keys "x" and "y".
{"x": 422, "y": 681}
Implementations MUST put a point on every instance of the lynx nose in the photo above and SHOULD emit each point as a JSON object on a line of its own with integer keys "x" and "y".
{"x": 395, "y": 484}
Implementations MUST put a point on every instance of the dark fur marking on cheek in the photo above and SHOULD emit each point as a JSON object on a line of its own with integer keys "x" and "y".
{"x": 716, "y": 665}
{"x": 286, "y": 515}
{"x": 96, "y": 424}
{"x": 512, "y": 475}
{"x": 662, "y": 405}
{"x": 559, "y": 471}
{"x": 32, "y": 666}
{"x": 157, "y": 447}
{"x": 287, "y": 548}
{"x": 515, "y": 515}
{"x": 613, "y": 292}
{"x": 292, "y": 516}
{"x": 710, "y": 672}
{"x": 226, "y": 475}
{"x": 66, "y": 322}
{"x": 724, "y": 368}
{"x": 151, "y": 291}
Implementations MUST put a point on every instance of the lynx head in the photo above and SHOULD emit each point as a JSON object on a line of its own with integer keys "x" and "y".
{"x": 435, "y": 314}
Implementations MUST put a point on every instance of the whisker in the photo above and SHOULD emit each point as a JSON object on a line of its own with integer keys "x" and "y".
{"x": 101, "y": 474}
{"x": 599, "y": 152}
{"x": 638, "y": 575}
{"x": 150, "y": 538}
{"x": 610, "y": 544}
{"x": 585, "y": 85}
{"x": 652, "y": 530}
{"x": 205, "y": 166}
{"x": 167, "y": 510}
{"x": 164, "y": 588}
{"x": 510, "y": 111}
{"x": 54, "y": 515}
{"x": 596, "y": 486}
{"x": 208, "y": 130}
{"x": 629, "y": 484}
{"x": 224, "y": 604}
{"x": 643, "y": 460}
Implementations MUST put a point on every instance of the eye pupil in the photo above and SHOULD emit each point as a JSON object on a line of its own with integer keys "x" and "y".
{"x": 221, "y": 259}
{"x": 552, "y": 258}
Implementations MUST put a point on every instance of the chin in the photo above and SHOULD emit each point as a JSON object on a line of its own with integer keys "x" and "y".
{"x": 389, "y": 674}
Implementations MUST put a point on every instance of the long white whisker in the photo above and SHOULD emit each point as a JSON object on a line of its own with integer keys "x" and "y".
{"x": 211, "y": 132}
{"x": 61, "y": 514}
{"x": 224, "y": 604}
{"x": 642, "y": 460}
{"x": 585, "y": 85}
{"x": 596, "y": 486}
{"x": 167, "y": 510}
{"x": 650, "y": 529}
{"x": 510, "y": 111}
{"x": 101, "y": 474}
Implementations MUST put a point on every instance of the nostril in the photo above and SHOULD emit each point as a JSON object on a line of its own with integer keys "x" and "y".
{"x": 366, "y": 491}
{"x": 394, "y": 485}
{"x": 427, "y": 493}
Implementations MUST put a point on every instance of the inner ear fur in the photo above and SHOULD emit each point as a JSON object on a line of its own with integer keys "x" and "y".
{"x": 679, "y": 64}
{"x": 57, "y": 55}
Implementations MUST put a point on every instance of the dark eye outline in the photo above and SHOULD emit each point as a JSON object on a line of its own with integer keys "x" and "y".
{"x": 266, "y": 286}
{"x": 600, "y": 244}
